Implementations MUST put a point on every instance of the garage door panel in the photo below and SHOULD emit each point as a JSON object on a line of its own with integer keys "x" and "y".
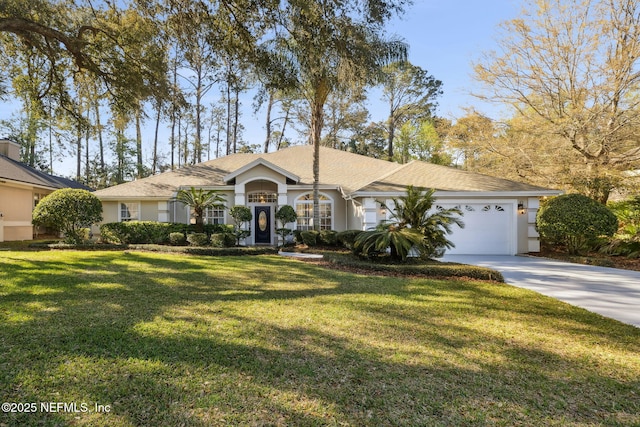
{"x": 488, "y": 228}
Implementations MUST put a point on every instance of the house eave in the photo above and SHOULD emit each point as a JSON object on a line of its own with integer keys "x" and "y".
{"x": 26, "y": 184}
{"x": 463, "y": 194}
{"x": 134, "y": 198}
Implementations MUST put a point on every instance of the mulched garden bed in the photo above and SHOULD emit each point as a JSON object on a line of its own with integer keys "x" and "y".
{"x": 593, "y": 258}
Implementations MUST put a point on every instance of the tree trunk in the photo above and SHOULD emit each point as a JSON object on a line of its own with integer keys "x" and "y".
{"x": 267, "y": 140}
{"x": 319, "y": 98}
{"x": 79, "y": 148}
{"x": 179, "y": 140}
{"x": 96, "y": 107}
{"x": 236, "y": 115}
{"x": 284, "y": 126}
{"x": 154, "y": 165}
{"x": 139, "y": 171}
{"x": 174, "y": 109}
{"x": 392, "y": 131}
{"x": 228, "y": 117}
{"x": 87, "y": 168}
{"x": 197, "y": 144}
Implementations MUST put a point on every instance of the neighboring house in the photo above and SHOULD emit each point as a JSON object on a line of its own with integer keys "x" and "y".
{"x": 21, "y": 188}
{"x": 499, "y": 214}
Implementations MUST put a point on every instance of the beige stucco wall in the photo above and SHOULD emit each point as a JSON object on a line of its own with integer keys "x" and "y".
{"x": 16, "y": 206}
{"x": 109, "y": 212}
{"x": 260, "y": 172}
{"x": 149, "y": 211}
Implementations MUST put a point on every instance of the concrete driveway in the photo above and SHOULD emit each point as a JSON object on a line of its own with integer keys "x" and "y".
{"x": 611, "y": 292}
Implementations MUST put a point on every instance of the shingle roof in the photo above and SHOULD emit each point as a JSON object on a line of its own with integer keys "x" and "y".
{"x": 350, "y": 171}
{"x": 19, "y": 172}
{"x": 443, "y": 178}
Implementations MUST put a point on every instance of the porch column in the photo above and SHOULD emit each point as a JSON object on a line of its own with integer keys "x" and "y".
{"x": 239, "y": 199}
{"x": 282, "y": 194}
{"x": 370, "y": 213}
{"x": 533, "y": 238}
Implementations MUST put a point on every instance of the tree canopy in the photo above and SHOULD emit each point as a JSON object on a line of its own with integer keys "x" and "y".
{"x": 570, "y": 72}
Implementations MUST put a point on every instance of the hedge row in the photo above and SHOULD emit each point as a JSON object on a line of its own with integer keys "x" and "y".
{"x": 208, "y": 251}
{"x": 141, "y": 232}
{"x": 327, "y": 237}
{"x": 418, "y": 267}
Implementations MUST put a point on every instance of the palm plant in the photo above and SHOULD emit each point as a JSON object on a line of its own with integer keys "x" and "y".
{"x": 413, "y": 225}
{"x": 199, "y": 200}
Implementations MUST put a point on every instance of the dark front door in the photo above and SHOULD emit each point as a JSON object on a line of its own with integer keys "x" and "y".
{"x": 263, "y": 224}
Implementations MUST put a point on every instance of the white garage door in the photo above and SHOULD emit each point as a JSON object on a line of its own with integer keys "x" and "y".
{"x": 488, "y": 229}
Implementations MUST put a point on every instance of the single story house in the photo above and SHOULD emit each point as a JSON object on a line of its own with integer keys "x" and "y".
{"x": 499, "y": 214}
{"x": 21, "y": 188}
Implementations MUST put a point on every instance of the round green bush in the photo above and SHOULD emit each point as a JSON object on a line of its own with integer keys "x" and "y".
{"x": 328, "y": 237}
{"x": 347, "y": 238}
{"x": 310, "y": 237}
{"x": 222, "y": 240}
{"x": 177, "y": 239}
{"x": 198, "y": 239}
{"x": 575, "y": 221}
{"x": 70, "y": 211}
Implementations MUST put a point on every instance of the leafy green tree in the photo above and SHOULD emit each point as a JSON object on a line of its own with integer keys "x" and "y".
{"x": 199, "y": 200}
{"x": 575, "y": 221}
{"x": 420, "y": 142}
{"x": 413, "y": 224}
{"x": 410, "y": 93}
{"x": 68, "y": 211}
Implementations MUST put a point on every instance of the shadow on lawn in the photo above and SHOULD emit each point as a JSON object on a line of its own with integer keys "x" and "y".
{"x": 175, "y": 341}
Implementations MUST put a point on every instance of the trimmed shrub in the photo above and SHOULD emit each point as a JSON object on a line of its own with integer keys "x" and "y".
{"x": 153, "y": 232}
{"x": 198, "y": 239}
{"x": 415, "y": 267}
{"x": 113, "y": 232}
{"x": 211, "y": 229}
{"x": 310, "y": 237}
{"x": 626, "y": 241}
{"x": 123, "y": 233}
{"x": 206, "y": 250}
{"x": 222, "y": 240}
{"x": 177, "y": 239}
{"x": 347, "y": 238}
{"x": 70, "y": 211}
{"x": 297, "y": 235}
{"x": 575, "y": 221}
{"x": 328, "y": 237}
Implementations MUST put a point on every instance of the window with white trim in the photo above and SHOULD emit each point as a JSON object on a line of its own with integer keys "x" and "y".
{"x": 214, "y": 215}
{"x": 129, "y": 211}
{"x": 262, "y": 197}
{"x": 304, "y": 210}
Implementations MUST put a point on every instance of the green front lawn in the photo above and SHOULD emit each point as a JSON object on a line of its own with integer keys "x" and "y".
{"x": 169, "y": 340}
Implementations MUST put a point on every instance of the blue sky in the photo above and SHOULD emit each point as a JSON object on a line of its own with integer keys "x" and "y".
{"x": 445, "y": 36}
